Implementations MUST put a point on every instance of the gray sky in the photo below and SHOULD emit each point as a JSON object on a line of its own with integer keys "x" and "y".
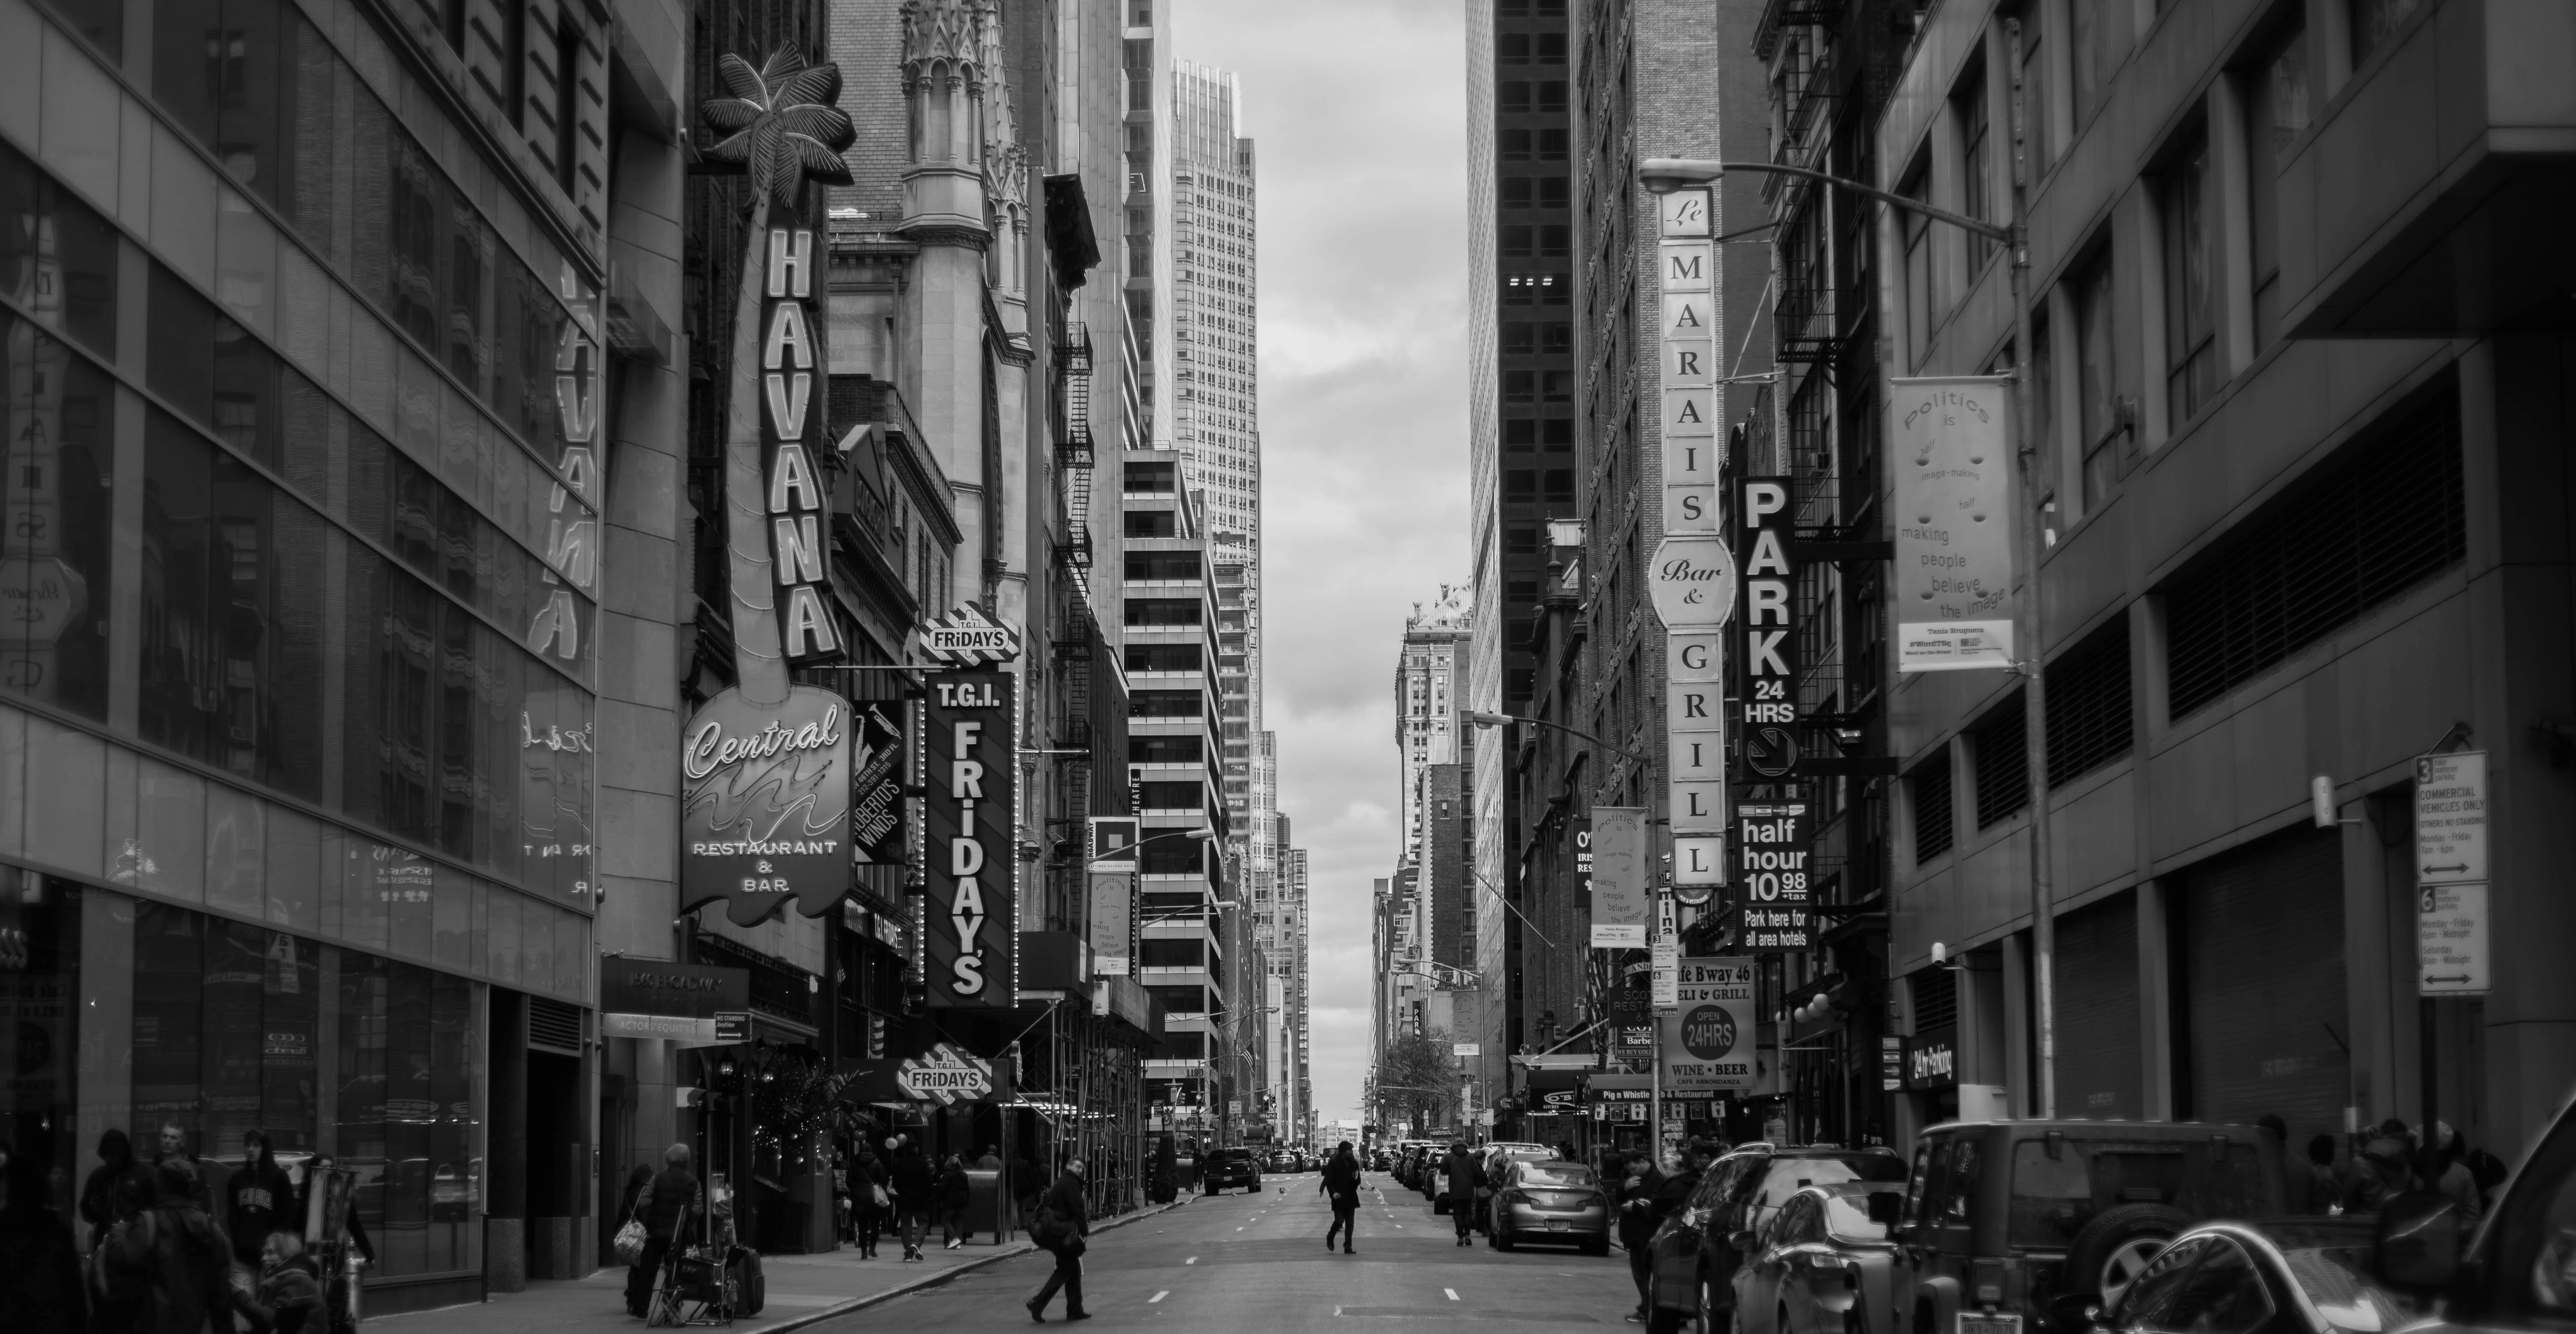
{"x": 1358, "y": 109}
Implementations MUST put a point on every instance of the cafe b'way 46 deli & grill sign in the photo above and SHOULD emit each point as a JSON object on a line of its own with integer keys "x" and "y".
{"x": 970, "y": 779}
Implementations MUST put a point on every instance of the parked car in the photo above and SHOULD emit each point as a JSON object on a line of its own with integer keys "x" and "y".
{"x": 2306, "y": 1275}
{"x": 1544, "y": 1200}
{"x": 1696, "y": 1252}
{"x": 2514, "y": 1272}
{"x": 2003, "y": 1221}
{"x": 1496, "y": 1158}
{"x": 1821, "y": 1267}
{"x": 1230, "y": 1167}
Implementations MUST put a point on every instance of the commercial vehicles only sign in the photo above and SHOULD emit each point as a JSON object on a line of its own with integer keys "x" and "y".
{"x": 1708, "y": 1038}
{"x": 2451, "y": 954}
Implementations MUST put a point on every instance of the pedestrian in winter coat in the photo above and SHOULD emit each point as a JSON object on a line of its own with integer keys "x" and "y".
{"x": 1637, "y": 1223}
{"x": 257, "y": 1201}
{"x": 1341, "y": 1186}
{"x": 172, "y": 1257}
{"x": 954, "y": 1193}
{"x": 1063, "y": 1222}
{"x": 916, "y": 1191}
{"x": 117, "y": 1189}
{"x": 41, "y": 1289}
{"x": 174, "y": 1145}
{"x": 1462, "y": 1175}
{"x": 867, "y": 1217}
{"x": 667, "y": 1206}
{"x": 289, "y": 1293}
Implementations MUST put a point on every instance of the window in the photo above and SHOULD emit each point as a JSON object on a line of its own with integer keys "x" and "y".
{"x": 1162, "y": 749}
{"x": 1517, "y": 242}
{"x": 1559, "y": 387}
{"x": 2090, "y": 30}
{"x": 1520, "y": 386}
{"x": 2088, "y": 703}
{"x": 1920, "y": 284}
{"x": 1515, "y": 191}
{"x": 2003, "y": 764}
{"x": 1162, "y": 565}
{"x": 1149, "y": 523}
{"x": 2374, "y": 22}
{"x": 1521, "y": 433}
{"x": 2385, "y": 516}
{"x": 1520, "y": 485}
{"x": 1976, "y": 163}
{"x": 1512, "y": 145}
{"x": 1522, "y": 540}
{"x": 1930, "y": 786}
{"x": 1171, "y": 796}
{"x": 2097, "y": 386}
{"x": 2191, "y": 335}
{"x": 1162, "y": 611}
{"x": 1511, "y": 97}
{"x": 2276, "y": 110}
{"x": 2034, "y": 90}
{"x": 1512, "y": 48}
{"x": 1551, "y": 95}
{"x": 1150, "y": 479}
{"x": 1552, "y": 192}
{"x": 1555, "y": 241}
{"x": 54, "y": 238}
{"x": 1162, "y": 657}
{"x": 1560, "y": 432}
{"x": 1560, "y": 484}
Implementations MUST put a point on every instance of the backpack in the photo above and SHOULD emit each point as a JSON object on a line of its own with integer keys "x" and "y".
{"x": 151, "y": 1266}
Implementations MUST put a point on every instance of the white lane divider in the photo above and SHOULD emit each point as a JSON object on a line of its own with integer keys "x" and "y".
{"x": 1453, "y": 1293}
{"x": 1191, "y": 1261}
{"x": 1158, "y": 1296}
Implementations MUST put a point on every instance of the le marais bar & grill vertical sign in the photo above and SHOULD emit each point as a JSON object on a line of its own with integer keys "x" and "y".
{"x": 970, "y": 777}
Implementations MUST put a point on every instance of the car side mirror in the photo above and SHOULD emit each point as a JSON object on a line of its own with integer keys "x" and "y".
{"x": 2074, "y": 1313}
{"x": 1886, "y": 1207}
{"x": 2419, "y": 1240}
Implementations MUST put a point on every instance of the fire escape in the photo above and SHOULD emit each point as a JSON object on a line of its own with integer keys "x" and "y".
{"x": 1071, "y": 641}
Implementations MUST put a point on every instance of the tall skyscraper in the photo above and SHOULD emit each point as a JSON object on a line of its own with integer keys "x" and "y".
{"x": 1520, "y": 377}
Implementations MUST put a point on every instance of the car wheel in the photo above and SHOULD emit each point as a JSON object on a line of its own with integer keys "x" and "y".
{"x": 1597, "y": 1247}
{"x": 2111, "y": 1250}
{"x": 1503, "y": 1240}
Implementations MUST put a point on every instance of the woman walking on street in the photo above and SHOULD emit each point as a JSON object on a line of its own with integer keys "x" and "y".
{"x": 954, "y": 1192}
{"x": 1062, "y": 1224}
{"x": 1341, "y": 1186}
{"x": 867, "y": 1201}
{"x": 667, "y": 1203}
{"x": 915, "y": 1190}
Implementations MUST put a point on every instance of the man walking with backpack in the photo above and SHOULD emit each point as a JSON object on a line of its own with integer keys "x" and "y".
{"x": 170, "y": 1261}
{"x": 1063, "y": 1222}
{"x": 1341, "y": 1186}
{"x": 1464, "y": 1175}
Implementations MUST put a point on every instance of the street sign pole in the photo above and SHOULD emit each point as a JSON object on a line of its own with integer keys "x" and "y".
{"x": 2451, "y": 881}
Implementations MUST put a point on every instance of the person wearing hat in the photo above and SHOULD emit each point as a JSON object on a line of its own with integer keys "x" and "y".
{"x": 2444, "y": 1150}
{"x": 2385, "y": 1174}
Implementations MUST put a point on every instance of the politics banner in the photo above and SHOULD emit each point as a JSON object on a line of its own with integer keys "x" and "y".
{"x": 971, "y": 867}
{"x": 1708, "y": 1040}
{"x": 765, "y": 804}
{"x": 1620, "y": 891}
{"x": 1954, "y": 508}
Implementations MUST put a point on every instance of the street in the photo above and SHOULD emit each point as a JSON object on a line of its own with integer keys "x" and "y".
{"x": 1257, "y": 1263}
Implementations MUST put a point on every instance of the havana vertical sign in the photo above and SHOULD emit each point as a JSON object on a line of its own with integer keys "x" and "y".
{"x": 789, "y": 371}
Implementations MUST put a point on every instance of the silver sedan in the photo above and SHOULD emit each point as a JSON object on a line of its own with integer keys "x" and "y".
{"x": 1820, "y": 1267}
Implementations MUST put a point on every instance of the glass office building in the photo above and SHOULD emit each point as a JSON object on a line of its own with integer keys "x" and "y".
{"x": 300, "y": 309}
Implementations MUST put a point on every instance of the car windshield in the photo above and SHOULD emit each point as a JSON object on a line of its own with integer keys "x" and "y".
{"x": 1563, "y": 1175}
{"x": 1788, "y": 1176}
{"x": 2337, "y": 1279}
{"x": 2061, "y": 1182}
{"x": 1847, "y": 1218}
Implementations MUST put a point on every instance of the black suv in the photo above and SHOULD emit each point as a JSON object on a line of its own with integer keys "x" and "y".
{"x": 2004, "y": 1221}
{"x": 1697, "y": 1250}
{"x": 1230, "y": 1167}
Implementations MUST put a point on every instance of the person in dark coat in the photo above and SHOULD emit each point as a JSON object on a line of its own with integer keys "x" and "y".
{"x": 1063, "y": 1222}
{"x": 867, "y": 1217}
{"x": 259, "y": 1199}
{"x": 667, "y": 1206}
{"x": 289, "y": 1292}
{"x": 1461, "y": 1177}
{"x": 1341, "y": 1187}
{"x": 1637, "y": 1222}
{"x": 174, "y": 1254}
{"x": 174, "y": 1145}
{"x": 41, "y": 1289}
{"x": 117, "y": 1189}
{"x": 954, "y": 1193}
{"x": 916, "y": 1193}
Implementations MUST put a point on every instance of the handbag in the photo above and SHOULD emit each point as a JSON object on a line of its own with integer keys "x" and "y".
{"x": 877, "y": 1192}
{"x": 630, "y": 1238}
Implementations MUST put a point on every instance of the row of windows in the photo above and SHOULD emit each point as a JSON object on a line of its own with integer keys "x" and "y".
{"x": 1549, "y": 241}
{"x": 1522, "y": 48}
{"x": 1512, "y": 145}
{"x": 1516, "y": 96}
{"x": 1525, "y": 432}
{"x": 1532, "y": 191}
{"x": 1524, "y": 484}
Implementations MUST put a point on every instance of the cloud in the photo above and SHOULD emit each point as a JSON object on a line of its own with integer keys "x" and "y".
{"x": 1358, "y": 113}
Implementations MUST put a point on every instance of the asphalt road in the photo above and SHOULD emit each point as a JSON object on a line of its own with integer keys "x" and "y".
{"x": 1257, "y": 1264}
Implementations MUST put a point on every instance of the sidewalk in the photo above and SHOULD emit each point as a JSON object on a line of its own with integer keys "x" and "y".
{"x": 803, "y": 1289}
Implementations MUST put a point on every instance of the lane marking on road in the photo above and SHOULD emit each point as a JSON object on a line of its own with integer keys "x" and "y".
{"x": 1191, "y": 1261}
{"x": 1158, "y": 1296}
{"x": 1453, "y": 1293}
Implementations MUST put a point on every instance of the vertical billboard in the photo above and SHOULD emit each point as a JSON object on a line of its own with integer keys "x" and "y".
{"x": 1708, "y": 1038}
{"x": 1767, "y": 751}
{"x": 1774, "y": 878}
{"x": 1692, "y": 579}
{"x": 765, "y": 804}
{"x": 1620, "y": 890}
{"x": 970, "y": 777}
{"x": 1954, "y": 482}
{"x": 1112, "y": 866}
{"x": 878, "y": 836}
{"x": 790, "y": 371}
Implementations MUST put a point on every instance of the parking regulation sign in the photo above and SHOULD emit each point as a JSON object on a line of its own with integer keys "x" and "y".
{"x": 2451, "y": 951}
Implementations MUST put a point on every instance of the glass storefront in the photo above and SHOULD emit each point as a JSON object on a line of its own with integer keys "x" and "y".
{"x": 222, "y": 1027}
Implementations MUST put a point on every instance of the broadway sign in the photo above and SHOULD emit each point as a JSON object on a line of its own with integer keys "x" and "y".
{"x": 1708, "y": 1040}
{"x": 970, "y": 776}
{"x": 765, "y": 805}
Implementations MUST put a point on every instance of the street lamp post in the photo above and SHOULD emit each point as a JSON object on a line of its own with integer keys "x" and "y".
{"x": 1665, "y": 175}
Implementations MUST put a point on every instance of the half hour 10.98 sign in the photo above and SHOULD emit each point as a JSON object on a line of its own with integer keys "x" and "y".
{"x": 1774, "y": 877}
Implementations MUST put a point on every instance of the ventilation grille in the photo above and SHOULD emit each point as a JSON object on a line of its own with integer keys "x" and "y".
{"x": 2003, "y": 763}
{"x": 1930, "y": 785}
{"x": 2378, "y": 522}
{"x": 2088, "y": 704}
{"x": 1936, "y": 999}
{"x": 554, "y": 1026}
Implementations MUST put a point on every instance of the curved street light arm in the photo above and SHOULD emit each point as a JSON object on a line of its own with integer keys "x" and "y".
{"x": 1484, "y": 718}
{"x": 1671, "y": 173}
